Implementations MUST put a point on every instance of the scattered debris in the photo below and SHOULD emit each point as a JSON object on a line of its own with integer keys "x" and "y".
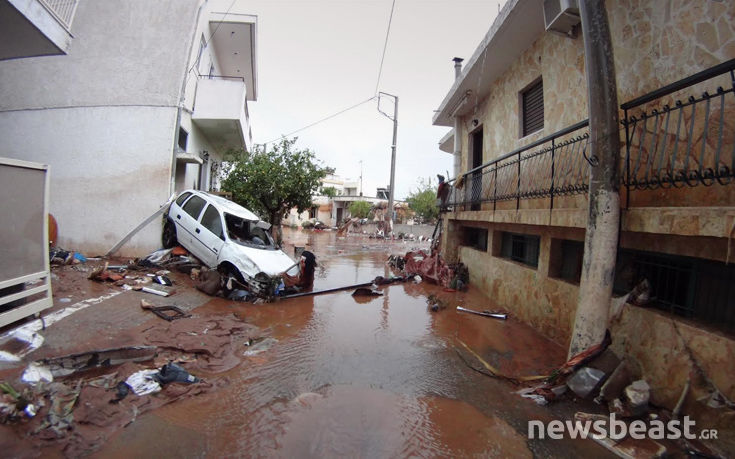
{"x": 585, "y": 381}
{"x": 161, "y": 311}
{"x": 435, "y": 303}
{"x": 143, "y": 382}
{"x": 36, "y": 373}
{"x": 163, "y": 280}
{"x": 615, "y": 384}
{"x": 69, "y": 364}
{"x": 637, "y": 395}
{"x": 153, "y": 291}
{"x": 494, "y": 315}
{"x": 366, "y": 291}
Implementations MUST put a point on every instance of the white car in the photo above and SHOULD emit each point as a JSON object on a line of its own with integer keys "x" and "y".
{"x": 224, "y": 236}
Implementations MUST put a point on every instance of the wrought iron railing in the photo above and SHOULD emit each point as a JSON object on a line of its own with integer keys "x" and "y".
{"x": 666, "y": 145}
{"x": 552, "y": 166}
{"x": 670, "y": 143}
{"x": 63, "y": 10}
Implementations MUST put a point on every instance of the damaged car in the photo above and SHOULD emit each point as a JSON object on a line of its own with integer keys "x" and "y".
{"x": 225, "y": 236}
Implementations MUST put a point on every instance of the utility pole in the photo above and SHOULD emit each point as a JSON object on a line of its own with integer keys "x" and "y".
{"x": 391, "y": 190}
{"x": 601, "y": 237}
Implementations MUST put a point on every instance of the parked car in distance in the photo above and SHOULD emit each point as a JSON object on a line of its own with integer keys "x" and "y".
{"x": 224, "y": 236}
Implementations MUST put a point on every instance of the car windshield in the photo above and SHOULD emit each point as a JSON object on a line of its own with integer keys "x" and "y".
{"x": 248, "y": 233}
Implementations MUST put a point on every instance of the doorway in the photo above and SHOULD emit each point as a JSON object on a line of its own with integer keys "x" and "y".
{"x": 475, "y": 187}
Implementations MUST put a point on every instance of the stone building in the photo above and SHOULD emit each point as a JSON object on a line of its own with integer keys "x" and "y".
{"x": 140, "y": 100}
{"x": 518, "y": 209}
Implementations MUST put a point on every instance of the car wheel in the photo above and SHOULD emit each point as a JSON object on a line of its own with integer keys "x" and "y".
{"x": 168, "y": 237}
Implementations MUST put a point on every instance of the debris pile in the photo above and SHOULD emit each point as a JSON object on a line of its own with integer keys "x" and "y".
{"x": 432, "y": 267}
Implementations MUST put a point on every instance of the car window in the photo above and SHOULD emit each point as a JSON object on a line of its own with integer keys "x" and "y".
{"x": 180, "y": 200}
{"x": 194, "y": 206}
{"x": 212, "y": 221}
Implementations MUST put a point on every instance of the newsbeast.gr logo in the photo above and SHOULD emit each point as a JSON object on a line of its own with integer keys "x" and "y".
{"x": 617, "y": 430}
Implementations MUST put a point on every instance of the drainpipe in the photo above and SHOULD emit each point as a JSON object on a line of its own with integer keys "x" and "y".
{"x": 601, "y": 238}
{"x": 457, "y": 139}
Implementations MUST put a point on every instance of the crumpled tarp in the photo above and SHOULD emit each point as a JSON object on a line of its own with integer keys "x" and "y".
{"x": 429, "y": 266}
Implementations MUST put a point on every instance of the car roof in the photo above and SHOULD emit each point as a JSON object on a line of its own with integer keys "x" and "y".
{"x": 224, "y": 205}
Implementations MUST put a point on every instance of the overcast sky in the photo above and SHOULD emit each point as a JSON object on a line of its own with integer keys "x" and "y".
{"x": 317, "y": 57}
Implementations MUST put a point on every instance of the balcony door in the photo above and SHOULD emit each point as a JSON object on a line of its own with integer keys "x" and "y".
{"x": 475, "y": 187}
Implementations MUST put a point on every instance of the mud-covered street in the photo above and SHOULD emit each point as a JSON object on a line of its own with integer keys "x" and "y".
{"x": 328, "y": 375}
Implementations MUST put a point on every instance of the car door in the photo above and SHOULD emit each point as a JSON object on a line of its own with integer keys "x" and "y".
{"x": 209, "y": 235}
{"x": 187, "y": 222}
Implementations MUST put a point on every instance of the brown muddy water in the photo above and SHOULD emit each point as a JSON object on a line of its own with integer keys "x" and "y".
{"x": 378, "y": 377}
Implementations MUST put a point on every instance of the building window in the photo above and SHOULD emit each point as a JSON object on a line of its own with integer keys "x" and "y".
{"x": 522, "y": 248}
{"x": 689, "y": 287}
{"x": 183, "y": 138}
{"x": 475, "y": 238}
{"x": 313, "y": 212}
{"x": 566, "y": 260}
{"x": 532, "y": 108}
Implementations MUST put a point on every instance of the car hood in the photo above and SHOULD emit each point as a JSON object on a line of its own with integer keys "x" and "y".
{"x": 251, "y": 261}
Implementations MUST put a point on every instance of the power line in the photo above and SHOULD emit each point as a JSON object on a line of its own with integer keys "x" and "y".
{"x": 385, "y": 45}
{"x": 322, "y": 120}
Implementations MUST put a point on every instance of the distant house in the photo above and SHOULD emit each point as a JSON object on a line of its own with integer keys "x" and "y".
{"x": 518, "y": 211}
{"x": 144, "y": 103}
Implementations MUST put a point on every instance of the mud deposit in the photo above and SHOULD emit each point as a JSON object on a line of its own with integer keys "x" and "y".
{"x": 338, "y": 376}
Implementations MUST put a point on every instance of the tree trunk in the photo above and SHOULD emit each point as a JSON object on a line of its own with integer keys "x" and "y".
{"x": 601, "y": 237}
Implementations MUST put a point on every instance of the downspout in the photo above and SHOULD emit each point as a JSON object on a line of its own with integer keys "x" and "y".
{"x": 182, "y": 100}
{"x": 601, "y": 237}
{"x": 457, "y": 138}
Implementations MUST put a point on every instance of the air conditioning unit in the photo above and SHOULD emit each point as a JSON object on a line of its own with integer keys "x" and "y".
{"x": 561, "y": 16}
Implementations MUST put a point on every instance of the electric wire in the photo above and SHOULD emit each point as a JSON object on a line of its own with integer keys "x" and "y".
{"x": 206, "y": 42}
{"x": 385, "y": 46}
{"x": 321, "y": 120}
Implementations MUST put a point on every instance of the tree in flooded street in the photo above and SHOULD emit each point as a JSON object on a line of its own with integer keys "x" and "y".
{"x": 272, "y": 181}
{"x": 360, "y": 209}
{"x": 423, "y": 201}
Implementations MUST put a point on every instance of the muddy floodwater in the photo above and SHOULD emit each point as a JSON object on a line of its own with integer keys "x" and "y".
{"x": 338, "y": 376}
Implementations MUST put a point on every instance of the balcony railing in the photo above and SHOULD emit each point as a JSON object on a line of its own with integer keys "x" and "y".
{"x": 670, "y": 143}
{"x": 691, "y": 144}
{"x": 63, "y": 10}
{"x": 552, "y": 166}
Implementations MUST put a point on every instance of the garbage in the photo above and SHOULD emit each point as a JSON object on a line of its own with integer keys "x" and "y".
{"x": 13, "y": 403}
{"x": 163, "y": 280}
{"x": 366, "y": 291}
{"x": 614, "y": 385}
{"x": 637, "y": 395}
{"x": 585, "y": 381}
{"x": 260, "y": 346}
{"x": 435, "y": 303}
{"x": 144, "y": 382}
{"x": 36, "y": 373}
{"x": 102, "y": 274}
{"x": 122, "y": 391}
{"x": 174, "y": 373}
{"x": 69, "y": 364}
{"x": 154, "y": 291}
{"x": 494, "y": 315}
{"x": 156, "y": 258}
{"x": 208, "y": 281}
{"x": 161, "y": 311}
{"x": 239, "y": 295}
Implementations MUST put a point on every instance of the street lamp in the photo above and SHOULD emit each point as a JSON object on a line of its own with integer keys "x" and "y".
{"x": 392, "y": 188}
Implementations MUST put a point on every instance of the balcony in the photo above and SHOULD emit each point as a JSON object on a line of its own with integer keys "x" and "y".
{"x": 35, "y": 27}
{"x": 221, "y": 112}
{"x": 677, "y": 166}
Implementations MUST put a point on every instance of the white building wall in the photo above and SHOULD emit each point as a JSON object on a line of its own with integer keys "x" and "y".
{"x": 100, "y": 187}
{"x": 104, "y": 118}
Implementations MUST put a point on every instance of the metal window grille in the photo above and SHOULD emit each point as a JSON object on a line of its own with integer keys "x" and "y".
{"x": 533, "y": 108}
{"x": 522, "y": 248}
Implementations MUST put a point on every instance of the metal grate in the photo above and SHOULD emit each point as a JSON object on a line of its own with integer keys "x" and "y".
{"x": 63, "y": 10}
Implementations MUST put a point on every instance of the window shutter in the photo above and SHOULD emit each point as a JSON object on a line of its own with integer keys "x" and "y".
{"x": 533, "y": 108}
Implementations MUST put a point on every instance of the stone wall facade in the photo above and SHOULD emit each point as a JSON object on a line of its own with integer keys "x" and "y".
{"x": 656, "y": 42}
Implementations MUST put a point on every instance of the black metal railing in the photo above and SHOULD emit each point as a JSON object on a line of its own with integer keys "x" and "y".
{"x": 673, "y": 143}
{"x": 552, "y": 166}
{"x": 666, "y": 145}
